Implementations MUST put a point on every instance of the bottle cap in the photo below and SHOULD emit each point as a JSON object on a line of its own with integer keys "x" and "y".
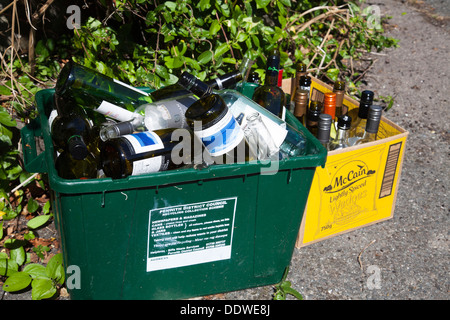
{"x": 344, "y": 122}
{"x": 324, "y": 127}
{"x": 373, "y": 119}
{"x": 367, "y": 97}
{"x": 301, "y": 97}
{"x": 329, "y": 104}
{"x": 77, "y": 147}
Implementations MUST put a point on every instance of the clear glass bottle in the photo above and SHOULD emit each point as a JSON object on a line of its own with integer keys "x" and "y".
{"x": 270, "y": 95}
{"x": 341, "y": 140}
{"x": 372, "y": 125}
{"x": 323, "y": 129}
{"x": 260, "y": 140}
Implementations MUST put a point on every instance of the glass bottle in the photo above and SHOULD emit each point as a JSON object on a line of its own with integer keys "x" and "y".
{"x": 248, "y": 87}
{"x": 301, "y": 105}
{"x": 70, "y": 130}
{"x": 260, "y": 139}
{"x": 146, "y": 152}
{"x": 270, "y": 95}
{"x": 91, "y": 89}
{"x": 162, "y": 114}
{"x": 214, "y": 124}
{"x": 305, "y": 84}
{"x": 365, "y": 102}
{"x": 323, "y": 129}
{"x": 329, "y": 107}
{"x": 312, "y": 116}
{"x": 341, "y": 140}
{"x": 69, "y": 167}
{"x": 300, "y": 71}
{"x": 339, "y": 89}
{"x": 359, "y": 125}
{"x": 373, "y": 122}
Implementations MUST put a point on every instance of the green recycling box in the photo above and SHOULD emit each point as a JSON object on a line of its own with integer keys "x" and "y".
{"x": 174, "y": 234}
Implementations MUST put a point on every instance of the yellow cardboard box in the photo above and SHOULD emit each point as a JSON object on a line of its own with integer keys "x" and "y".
{"x": 358, "y": 185}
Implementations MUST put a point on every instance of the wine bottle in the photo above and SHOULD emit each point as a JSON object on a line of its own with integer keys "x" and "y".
{"x": 360, "y": 113}
{"x": 301, "y": 105}
{"x": 162, "y": 114}
{"x": 339, "y": 89}
{"x": 146, "y": 152}
{"x": 214, "y": 124}
{"x": 341, "y": 140}
{"x": 323, "y": 129}
{"x": 269, "y": 95}
{"x": 248, "y": 87}
{"x": 91, "y": 89}
{"x": 329, "y": 107}
{"x": 373, "y": 122}
{"x": 312, "y": 116}
{"x": 305, "y": 84}
{"x": 69, "y": 167}
{"x": 300, "y": 71}
{"x": 70, "y": 130}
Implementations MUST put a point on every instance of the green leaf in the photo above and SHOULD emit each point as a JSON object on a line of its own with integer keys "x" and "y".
{"x": 36, "y": 271}
{"x": 205, "y": 57}
{"x": 8, "y": 267}
{"x": 5, "y": 118}
{"x": 221, "y": 49}
{"x": 214, "y": 28}
{"x": 333, "y": 73}
{"x": 1, "y": 230}
{"x": 17, "y": 281}
{"x": 261, "y": 4}
{"x": 42, "y": 289}
{"x": 54, "y": 267}
{"x": 4, "y": 90}
{"x": 18, "y": 255}
{"x": 32, "y": 205}
{"x": 38, "y": 221}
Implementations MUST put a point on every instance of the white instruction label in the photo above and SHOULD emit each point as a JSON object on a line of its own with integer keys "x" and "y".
{"x": 190, "y": 234}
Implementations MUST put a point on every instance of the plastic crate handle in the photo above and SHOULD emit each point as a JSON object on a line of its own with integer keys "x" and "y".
{"x": 33, "y": 162}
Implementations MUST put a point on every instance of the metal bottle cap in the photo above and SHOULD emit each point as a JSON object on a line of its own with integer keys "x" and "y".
{"x": 373, "y": 119}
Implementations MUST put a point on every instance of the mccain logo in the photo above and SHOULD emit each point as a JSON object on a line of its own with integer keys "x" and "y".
{"x": 347, "y": 175}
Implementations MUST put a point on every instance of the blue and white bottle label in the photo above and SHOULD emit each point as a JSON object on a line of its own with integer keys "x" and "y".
{"x": 222, "y": 137}
{"x": 144, "y": 142}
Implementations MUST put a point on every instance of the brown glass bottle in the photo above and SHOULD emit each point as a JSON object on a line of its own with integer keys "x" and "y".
{"x": 301, "y": 105}
{"x": 312, "y": 116}
{"x": 339, "y": 89}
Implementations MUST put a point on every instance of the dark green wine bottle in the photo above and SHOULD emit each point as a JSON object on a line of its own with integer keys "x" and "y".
{"x": 269, "y": 95}
{"x": 312, "y": 116}
{"x": 91, "y": 89}
{"x": 70, "y": 168}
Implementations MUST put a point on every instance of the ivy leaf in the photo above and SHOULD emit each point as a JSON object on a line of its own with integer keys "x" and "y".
{"x": 221, "y": 49}
{"x": 42, "y": 289}
{"x": 32, "y": 205}
{"x": 38, "y": 221}
{"x": 214, "y": 28}
{"x": 36, "y": 271}
{"x": 17, "y": 281}
{"x": 205, "y": 57}
{"x": 261, "y": 4}
{"x": 333, "y": 73}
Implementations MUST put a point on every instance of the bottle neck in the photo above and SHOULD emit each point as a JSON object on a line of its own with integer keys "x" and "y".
{"x": 342, "y": 134}
{"x": 196, "y": 86}
{"x": 227, "y": 80}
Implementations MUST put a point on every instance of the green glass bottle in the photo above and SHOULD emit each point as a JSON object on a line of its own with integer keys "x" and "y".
{"x": 269, "y": 95}
{"x": 69, "y": 167}
{"x": 91, "y": 89}
{"x": 312, "y": 116}
{"x": 300, "y": 71}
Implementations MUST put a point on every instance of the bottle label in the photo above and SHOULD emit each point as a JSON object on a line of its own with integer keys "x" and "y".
{"x": 145, "y": 142}
{"x": 111, "y": 110}
{"x": 172, "y": 112}
{"x": 222, "y": 137}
